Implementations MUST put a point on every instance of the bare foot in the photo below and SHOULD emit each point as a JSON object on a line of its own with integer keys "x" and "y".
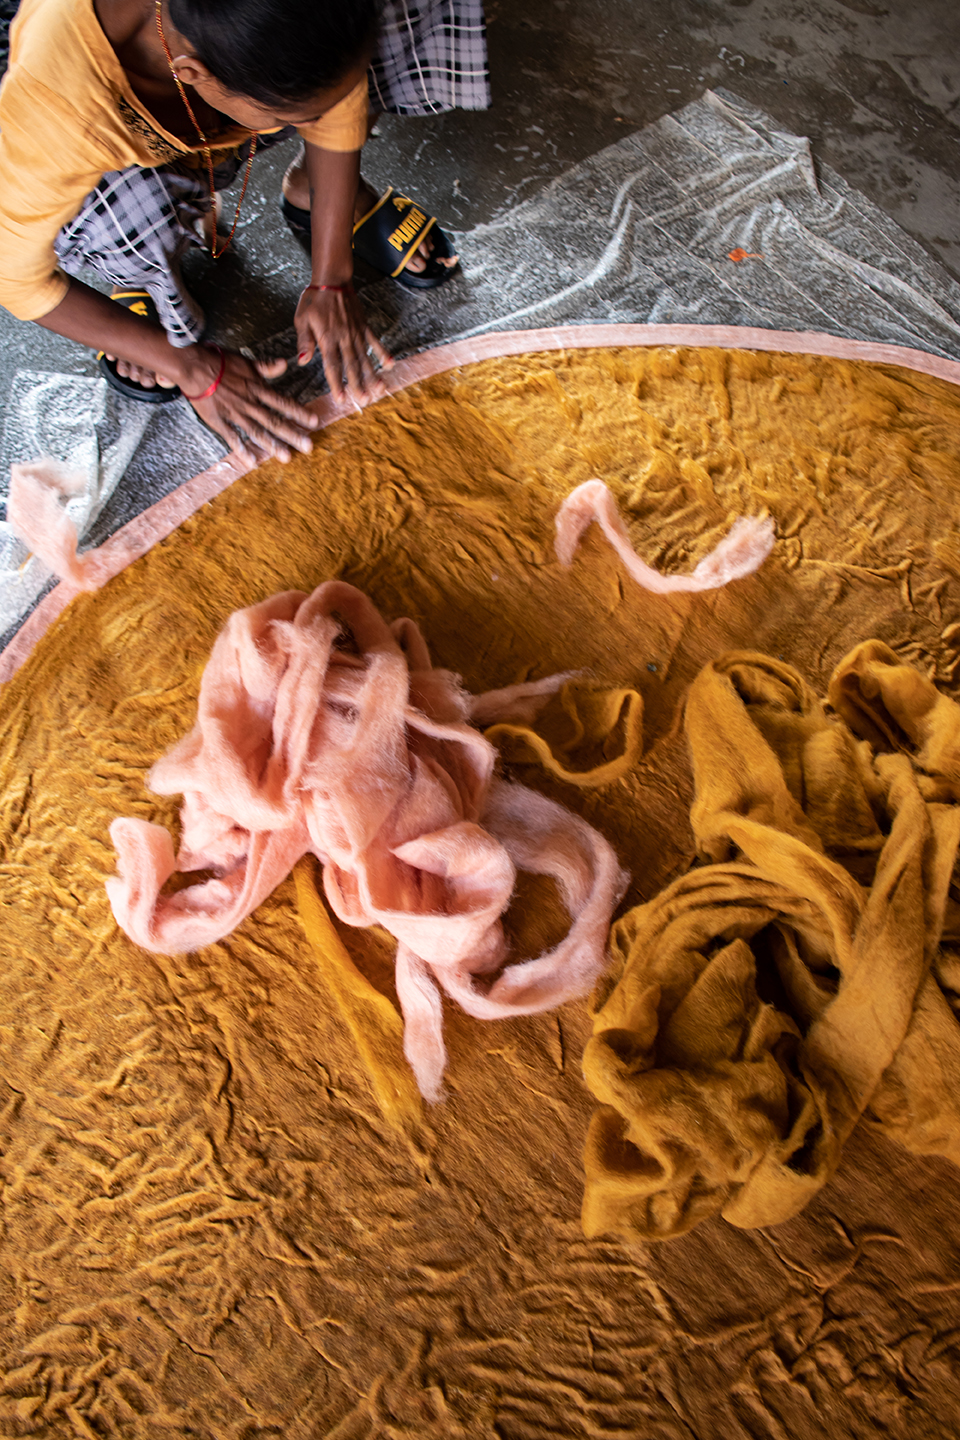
{"x": 210, "y": 222}
{"x": 296, "y": 189}
{"x": 147, "y": 378}
{"x": 366, "y": 199}
{"x": 295, "y": 185}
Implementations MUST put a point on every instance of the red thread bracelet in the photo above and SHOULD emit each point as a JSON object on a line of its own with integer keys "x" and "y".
{"x": 337, "y": 289}
{"x": 215, "y": 385}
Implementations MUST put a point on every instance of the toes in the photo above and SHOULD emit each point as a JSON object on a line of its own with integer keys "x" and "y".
{"x": 418, "y": 262}
{"x": 146, "y": 378}
{"x": 425, "y": 252}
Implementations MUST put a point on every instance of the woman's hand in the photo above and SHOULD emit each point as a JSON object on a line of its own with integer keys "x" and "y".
{"x": 254, "y": 420}
{"x": 332, "y": 321}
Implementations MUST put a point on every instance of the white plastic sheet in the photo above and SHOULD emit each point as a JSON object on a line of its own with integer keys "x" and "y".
{"x": 644, "y": 231}
{"x": 91, "y": 432}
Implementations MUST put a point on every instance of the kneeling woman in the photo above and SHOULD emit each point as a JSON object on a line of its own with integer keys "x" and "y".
{"x": 120, "y": 120}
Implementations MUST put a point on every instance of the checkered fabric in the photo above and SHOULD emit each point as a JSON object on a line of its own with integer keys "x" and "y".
{"x": 431, "y": 56}
{"x": 133, "y": 231}
{"x": 135, "y": 227}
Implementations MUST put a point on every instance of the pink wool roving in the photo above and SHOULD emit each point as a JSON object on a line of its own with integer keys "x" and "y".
{"x": 739, "y": 553}
{"x": 36, "y": 514}
{"x": 321, "y": 728}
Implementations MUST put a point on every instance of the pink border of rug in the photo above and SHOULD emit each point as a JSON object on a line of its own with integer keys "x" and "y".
{"x": 155, "y": 524}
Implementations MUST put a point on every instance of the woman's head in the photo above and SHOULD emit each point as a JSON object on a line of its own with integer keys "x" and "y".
{"x": 279, "y": 53}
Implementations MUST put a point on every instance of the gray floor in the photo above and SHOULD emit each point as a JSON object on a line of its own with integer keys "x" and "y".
{"x": 876, "y": 88}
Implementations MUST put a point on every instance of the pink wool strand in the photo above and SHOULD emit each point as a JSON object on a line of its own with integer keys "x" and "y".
{"x": 321, "y": 728}
{"x": 739, "y": 553}
{"x": 36, "y": 515}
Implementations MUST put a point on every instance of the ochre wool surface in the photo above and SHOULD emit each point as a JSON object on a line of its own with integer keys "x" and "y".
{"x": 805, "y": 973}
{"x": 212, "y": 1225}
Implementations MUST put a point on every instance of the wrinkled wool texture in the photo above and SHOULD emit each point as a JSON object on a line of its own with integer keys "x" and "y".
{"x": 363, "y": 755}
{"x": 38, "y": 519}
{"x": 761, "y": 1003}
{"x": 226, "y": 1210}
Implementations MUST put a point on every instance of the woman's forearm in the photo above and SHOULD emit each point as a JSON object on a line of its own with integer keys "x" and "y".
{"x": 94, "y": 320}
{"x": 334, "y": 179}
{"x": 333, "y": 321}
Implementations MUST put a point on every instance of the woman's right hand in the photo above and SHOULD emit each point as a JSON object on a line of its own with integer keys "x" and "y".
{"x": 243, "y": 410}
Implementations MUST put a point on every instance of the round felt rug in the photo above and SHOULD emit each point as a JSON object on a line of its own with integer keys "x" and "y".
{"x": 211, "y": 1228}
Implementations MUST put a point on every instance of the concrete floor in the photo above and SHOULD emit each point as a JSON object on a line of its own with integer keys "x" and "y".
{"x": 875, "y": 87}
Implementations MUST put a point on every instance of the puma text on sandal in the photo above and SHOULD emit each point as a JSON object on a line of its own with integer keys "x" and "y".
{"x": 388, "y": 237}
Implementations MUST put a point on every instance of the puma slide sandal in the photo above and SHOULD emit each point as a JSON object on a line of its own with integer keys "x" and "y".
{"x": 388, "y": 237}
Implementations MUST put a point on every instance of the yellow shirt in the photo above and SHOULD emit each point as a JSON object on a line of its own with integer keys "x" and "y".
{"x": 67, "y": 117}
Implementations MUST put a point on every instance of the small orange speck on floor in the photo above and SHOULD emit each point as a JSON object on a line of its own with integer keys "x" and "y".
{"x": 737, "y": 255}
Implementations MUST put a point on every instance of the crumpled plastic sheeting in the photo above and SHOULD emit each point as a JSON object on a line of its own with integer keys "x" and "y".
{"x": 56, "y": 417}
{"x": 761, "y": 1003}
{"x": 643, "y": 230}
{"x": 97, "y": 438}
{"x": 321, "y": 728}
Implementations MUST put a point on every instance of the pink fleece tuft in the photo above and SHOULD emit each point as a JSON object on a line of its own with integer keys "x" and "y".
{"x": 739, "y": 553}
{"x": 36, "y": 515}
{"x": 322, "y": 728}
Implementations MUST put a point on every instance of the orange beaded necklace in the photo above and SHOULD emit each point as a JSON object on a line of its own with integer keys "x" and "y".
{"x": 214, "y": 251}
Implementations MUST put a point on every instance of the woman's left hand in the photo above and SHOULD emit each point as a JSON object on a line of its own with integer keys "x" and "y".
{"x": 333, "y": 322}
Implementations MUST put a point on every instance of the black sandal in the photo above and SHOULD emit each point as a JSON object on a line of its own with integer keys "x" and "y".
{"x": 297, "y": 219}
{"x": 140, "y": 303}
{"x": 388, "y": 237}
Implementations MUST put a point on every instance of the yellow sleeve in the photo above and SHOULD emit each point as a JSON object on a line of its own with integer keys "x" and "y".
{"x": 46, "y": 170}
{"x": 345, "y": 126}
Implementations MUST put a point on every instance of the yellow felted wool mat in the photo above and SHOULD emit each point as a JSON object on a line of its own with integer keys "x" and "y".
{"x": 761, "y": 1003}
{"x": 226, "y": 1214}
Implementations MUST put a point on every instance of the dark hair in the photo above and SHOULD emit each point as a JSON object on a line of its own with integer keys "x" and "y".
{"x": 275, "y": 51}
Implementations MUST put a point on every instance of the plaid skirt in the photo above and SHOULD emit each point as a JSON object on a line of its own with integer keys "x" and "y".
{"x": 430, "y": 56}
{"x": 134, "y": 228}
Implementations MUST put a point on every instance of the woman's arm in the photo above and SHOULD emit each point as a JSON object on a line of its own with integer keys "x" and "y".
{"x": 331, "y": 321}
{"x": 242, "y": 402}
